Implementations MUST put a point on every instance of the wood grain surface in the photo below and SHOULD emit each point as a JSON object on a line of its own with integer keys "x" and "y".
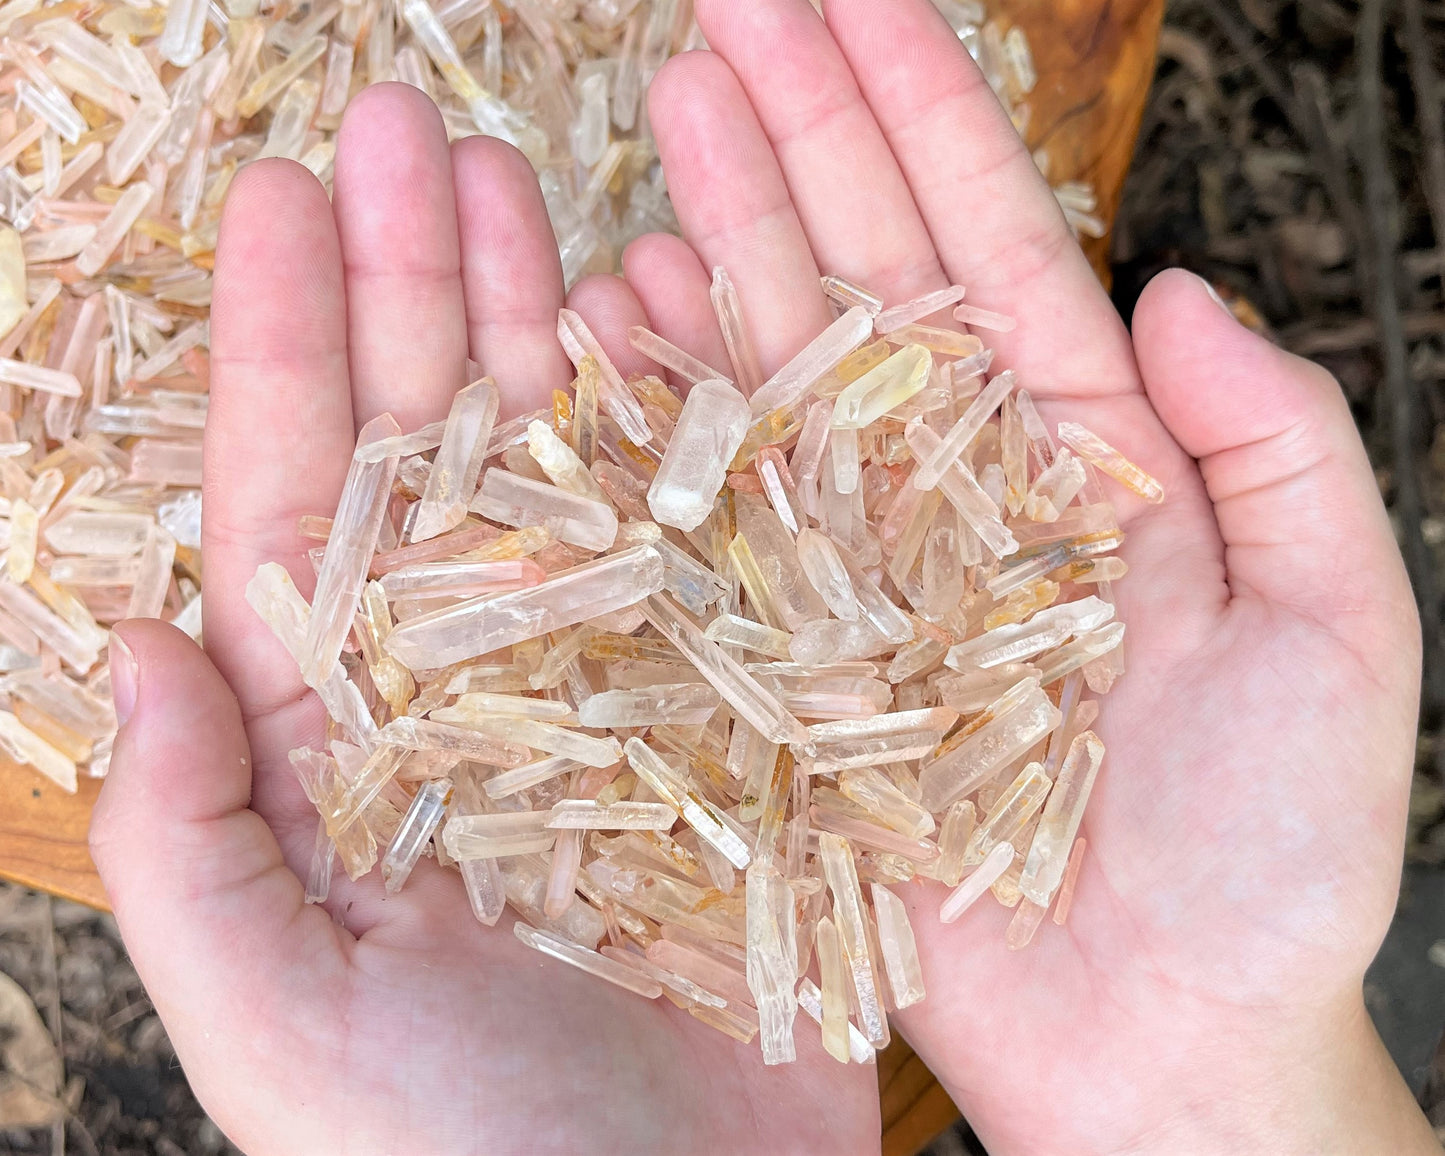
{"x": 1095, "y": 62}
{"x": 43, "y": 835}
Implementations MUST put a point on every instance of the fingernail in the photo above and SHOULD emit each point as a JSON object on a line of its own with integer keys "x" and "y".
{"x": 122, "y": 678}
{"x": 1218, "y": 300}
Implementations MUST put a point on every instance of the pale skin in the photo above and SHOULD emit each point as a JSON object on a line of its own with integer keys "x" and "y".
{"x": 1244, "y": 839}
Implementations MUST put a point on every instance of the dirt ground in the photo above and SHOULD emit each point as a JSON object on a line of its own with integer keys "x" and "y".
{"x": 1266, "y": 119}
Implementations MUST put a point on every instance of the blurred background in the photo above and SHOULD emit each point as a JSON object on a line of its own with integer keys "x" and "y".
{"x": 1292, "y": 152}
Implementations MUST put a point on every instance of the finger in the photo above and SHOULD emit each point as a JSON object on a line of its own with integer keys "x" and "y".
{"x": 279, "y": 431}
{"x": 397, "y": 220}
{"x": 1293, "y": 492}
{"x": 673, "y": 288}
{"x": 511, "y": 273}
{"x": 211, "y": 917}
{"x": 610, "y": 308}
{"x": 733, "y": 204}
{"x": 996, "y": 226}
{"x": 850, "y": 196}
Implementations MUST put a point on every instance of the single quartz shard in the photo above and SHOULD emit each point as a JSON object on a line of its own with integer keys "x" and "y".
{"x": 669, "y": 356}
{"x": 416, "y": 734}
{"x": 985, "y": 319}
{"x": 979, "y": 880}
{"x": 897, "y": 736}
{"x": 434, "y": 579}
{"x": 370, "y": 779}
{"x": 560, "y": 462}
{"x": 1065, "y": 901}
{"x": 885, "y": 801}
{"x": 523, "y": 502}
{"x": 1059, "y": 824}
{"x": 867, "y": 833}
{"x": 411, "y": 838}
{"x": 850, "y": 295}
{"x": 452, "y": 479}
{"x": 13, "y": 256}
{"x": 1010, "y": 814}
{"x": 111, "y": 231}
{"x": 542, "y": 736}
{"x": 735, "y": 332}
{"x": 834, "y": 996}
{"x": 529, "y": 775}
{"x": 932, "y": 466}
{"x": 824, "y": 569}
{"x": 772, "y": 959}
{"x": 842, "y": 877}
{"x": 354, "y": 534}
{"x": 708, "y": 433}
{"x": 689, "y": 991}
{"x": 703, "y": 968}
{"x": 791, "y": 384}
{"x": 37, "y": 377}
{"x": 810, "y": 999}
{"x": 1055, "y": 487}
{"x": 815, "y": 643}
{"x": 589, "y": 961}
{"x": 694, "y": 585}
{"x": 953, "y": 837}
{"x": 1099, "y": 453}
{"x": 153, "y": 576}
{"x": 1081, "y": 652}
{"x": 882, "y": 389}
{"x": 993, "y": 739}
{"x": 497, "y": 835}
{"x": 778, "y": 565}
{"x": 731, "y": 630}
{"x": 917, "y": 309}
{"x": 590, "y": 815}
{"x": 1044, "y": 631}
{"x": 480, "y": 625}
{"x": 679, "y": 704}
{"x": 278, "y": 603}
{"x": 900, "y": 955}
{"x": 24, "y": 537}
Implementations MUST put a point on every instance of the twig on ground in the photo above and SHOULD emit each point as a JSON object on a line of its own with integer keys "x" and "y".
{"x": 1430, "y": 119}
{"x": 1307, "y": 123}
{"x": 1405, "y": 421}
{"x": 54, "y": 1013}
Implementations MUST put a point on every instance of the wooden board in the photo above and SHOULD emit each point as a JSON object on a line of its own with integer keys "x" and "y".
{"x": 43, "y": 835}
{"x": 1095, "y": 62}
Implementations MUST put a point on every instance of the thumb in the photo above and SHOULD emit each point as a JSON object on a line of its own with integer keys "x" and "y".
{"x": 208, "y": 910}
{"x": 1294, "y": 495}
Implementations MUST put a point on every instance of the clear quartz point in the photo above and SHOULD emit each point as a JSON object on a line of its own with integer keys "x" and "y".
{"x": 709, "y": 432}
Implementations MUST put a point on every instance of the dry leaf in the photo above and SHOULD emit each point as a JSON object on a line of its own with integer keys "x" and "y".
{"x": 29, "y": 1062}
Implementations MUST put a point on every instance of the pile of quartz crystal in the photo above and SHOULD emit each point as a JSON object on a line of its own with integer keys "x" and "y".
{"x": 122, "y": 125}
{"x": 698, "y": 686}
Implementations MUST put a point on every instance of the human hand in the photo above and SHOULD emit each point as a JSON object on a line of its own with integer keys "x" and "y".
{"x": 377, "y": 1024}
{"x": 1244, "y": 841}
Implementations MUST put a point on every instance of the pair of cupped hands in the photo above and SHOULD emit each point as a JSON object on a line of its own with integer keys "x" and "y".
{"x": 1245, "y": 836}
